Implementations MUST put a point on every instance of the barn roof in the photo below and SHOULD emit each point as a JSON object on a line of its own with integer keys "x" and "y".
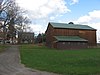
{"x": 69, "y": 38}
{"x": 71, "y": 26}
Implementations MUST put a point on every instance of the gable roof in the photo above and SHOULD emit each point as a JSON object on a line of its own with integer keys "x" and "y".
{"x": 70, "y": 38}
{"x": 71, "y": 26}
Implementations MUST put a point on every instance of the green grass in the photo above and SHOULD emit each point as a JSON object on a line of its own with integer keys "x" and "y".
{"x": 2, "y": 47}
{"x": 66, "y": 62}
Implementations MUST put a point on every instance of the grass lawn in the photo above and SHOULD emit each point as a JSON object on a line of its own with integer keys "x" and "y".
{"x": 2, "y": 47}
{"x": 66, "y": 62}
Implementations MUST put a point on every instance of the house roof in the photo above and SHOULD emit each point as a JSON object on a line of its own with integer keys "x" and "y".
{"x": 71, "y": 26}
{"x": 69, "y": 38}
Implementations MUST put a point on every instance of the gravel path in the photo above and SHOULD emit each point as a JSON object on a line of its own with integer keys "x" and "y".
{"x": 10, "y": 64}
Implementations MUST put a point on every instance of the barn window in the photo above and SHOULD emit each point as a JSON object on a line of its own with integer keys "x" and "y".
{"x": 63, "y": 43}
{"x": 79, "y": 43}
{"x": 69, "y": 43}
{"x": 83, "y": 43}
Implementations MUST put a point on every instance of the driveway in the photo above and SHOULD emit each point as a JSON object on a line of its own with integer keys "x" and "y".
{"x": 10, "y": 64}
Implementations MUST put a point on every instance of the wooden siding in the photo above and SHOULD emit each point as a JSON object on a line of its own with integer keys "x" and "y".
{"x": 65, "y": 32}
{"x": 71, "y": 45}
{"x": 89, "y": 35}
{"x": 49, "y": 36}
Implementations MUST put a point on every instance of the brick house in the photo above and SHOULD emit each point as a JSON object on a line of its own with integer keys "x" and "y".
{"x": 25, "y": 37}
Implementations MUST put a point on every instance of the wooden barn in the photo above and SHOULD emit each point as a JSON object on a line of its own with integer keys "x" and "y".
{"x": 70, "y": 36}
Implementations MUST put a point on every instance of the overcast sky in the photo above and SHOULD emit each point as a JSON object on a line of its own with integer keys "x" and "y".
{"x": 79, "y": 11}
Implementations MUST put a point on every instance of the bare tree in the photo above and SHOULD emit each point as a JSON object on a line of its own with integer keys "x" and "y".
{"x": 22, "y": 23}
{"x": 12, "y": 17}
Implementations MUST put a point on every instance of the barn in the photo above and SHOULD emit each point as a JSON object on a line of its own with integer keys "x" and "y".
{"x": 70, "y": 36}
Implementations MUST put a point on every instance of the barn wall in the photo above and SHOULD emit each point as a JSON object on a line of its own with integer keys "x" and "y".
{"x": 65, "y": 32}
{"x": 49, "y": 36}
{"x": 71, "y": 45}
{"x": 89, "y": 35}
